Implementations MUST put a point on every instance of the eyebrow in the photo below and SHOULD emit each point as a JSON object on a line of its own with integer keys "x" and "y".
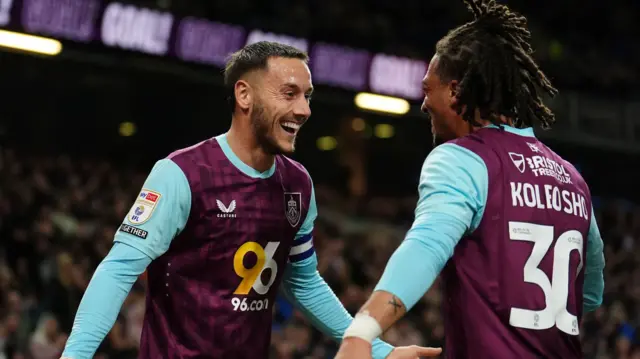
{"x": 292, "y": 85}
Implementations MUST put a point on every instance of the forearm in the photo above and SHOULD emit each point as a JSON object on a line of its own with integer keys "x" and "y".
{"x": 314, "y": 298}
{"x": 410, "y": 272}
{"x": 323, "y": 310}
{"x": 96, "y": 314}
{"x": 385, "y": 308}
{"x": 103, "y": 299}
{"x": 593, "y": 290}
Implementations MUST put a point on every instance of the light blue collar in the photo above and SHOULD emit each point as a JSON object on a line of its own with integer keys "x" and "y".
{"x": 243, "y": 167}
{"x": 526, "y": 132}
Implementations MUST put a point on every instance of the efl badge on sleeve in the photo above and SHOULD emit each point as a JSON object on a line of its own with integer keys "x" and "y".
{"x": 293, "y": 208}
{"x": 144, "y": 206}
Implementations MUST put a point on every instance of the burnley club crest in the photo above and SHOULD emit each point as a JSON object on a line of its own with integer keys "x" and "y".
{"x": 293, "y": 209}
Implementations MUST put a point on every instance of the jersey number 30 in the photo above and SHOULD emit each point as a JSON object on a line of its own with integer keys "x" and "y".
{"x": 556, "y": 291}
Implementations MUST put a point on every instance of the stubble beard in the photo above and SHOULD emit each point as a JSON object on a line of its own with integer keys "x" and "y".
{"x": 262, "y": 131}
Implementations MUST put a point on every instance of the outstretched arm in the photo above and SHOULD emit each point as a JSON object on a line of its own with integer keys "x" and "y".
{"x": 310, "y": 294}
{"x": 103, "y": 299}
{"x": 158, "y": 214}
{"x": 452, "y": 196}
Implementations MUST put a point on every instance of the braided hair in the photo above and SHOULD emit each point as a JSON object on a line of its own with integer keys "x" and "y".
{"x": 491, "y": 58}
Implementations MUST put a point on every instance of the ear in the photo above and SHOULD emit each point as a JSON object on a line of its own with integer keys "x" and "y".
{"x": 452, "y": 92}
{"x": 453, "y": 89}
{"x": 244, "y": 95}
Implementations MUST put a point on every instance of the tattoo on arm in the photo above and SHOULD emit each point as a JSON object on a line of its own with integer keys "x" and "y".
{"x": 396, "y": 304}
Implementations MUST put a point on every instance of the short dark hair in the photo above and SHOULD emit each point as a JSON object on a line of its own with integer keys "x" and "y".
{"x": 491, "y": 58}
{"x": 254, "y": 57}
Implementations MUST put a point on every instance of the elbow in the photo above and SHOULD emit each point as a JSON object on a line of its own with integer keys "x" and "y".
{"x": 304, "y": 288}
{"x": 437, "y": 252}
{"x": 592, "y": 305}
{"x": 592, "y": 299}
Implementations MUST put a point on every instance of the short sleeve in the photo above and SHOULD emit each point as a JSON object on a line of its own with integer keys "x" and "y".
{"x": 454, "y": 181}
{"x": 159, "y": 212}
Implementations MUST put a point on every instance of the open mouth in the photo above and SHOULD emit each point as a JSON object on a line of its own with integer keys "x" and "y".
{"x": 290, "y": 127}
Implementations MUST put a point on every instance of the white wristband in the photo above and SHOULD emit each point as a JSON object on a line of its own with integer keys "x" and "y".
{"x": 364, "y": 327}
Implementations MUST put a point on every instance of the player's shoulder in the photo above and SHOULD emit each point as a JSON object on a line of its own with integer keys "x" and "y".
{"x": 479, "y": 141}
{"x": 191, "y": 160}
{"x": 557, "y": 157}
{"x": 480, "y": 136}
{"x": 569, "y": 167}
{"x": 453, "y": 153}
{"x": 196, "y": 152}
{"x": 293, "y": 167}
{"x": 452, "y": 164}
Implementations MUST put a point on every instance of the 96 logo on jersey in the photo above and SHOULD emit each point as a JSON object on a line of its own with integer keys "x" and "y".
{"x": 143, "y": 207}
{"x": 252, "y": 277}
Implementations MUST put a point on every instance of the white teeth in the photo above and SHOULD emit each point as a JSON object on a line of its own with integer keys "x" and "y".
{"x": 291, "y": 125}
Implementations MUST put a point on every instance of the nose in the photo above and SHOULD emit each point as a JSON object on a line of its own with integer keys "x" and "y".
{"x": 302, "y": 109}
{"x": 424, "y": 108}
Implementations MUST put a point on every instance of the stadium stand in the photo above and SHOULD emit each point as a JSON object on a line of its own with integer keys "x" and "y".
{"x": 57, "y": 222}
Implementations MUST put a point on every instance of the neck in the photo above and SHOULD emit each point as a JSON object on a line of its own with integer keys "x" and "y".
{"x": 244, "y": 144}
{"x": 484, "y": 123}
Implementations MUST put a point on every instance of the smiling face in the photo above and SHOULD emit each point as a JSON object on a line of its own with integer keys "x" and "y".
{"x": 280, "y": 103}
{"x": 440, "y": 96}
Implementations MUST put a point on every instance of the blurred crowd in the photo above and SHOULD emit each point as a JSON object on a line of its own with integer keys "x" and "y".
{"x": 57, "y": 220}
{"x": 585, "y": 45}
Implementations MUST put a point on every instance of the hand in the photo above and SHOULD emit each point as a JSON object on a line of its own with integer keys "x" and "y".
{"x": 414, "y": 352}
{"x": 360, "y": 349}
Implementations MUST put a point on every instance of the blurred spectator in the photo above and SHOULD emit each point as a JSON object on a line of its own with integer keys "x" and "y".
{"x": 65, "y": 290}
{"x": 47, "y": 342}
